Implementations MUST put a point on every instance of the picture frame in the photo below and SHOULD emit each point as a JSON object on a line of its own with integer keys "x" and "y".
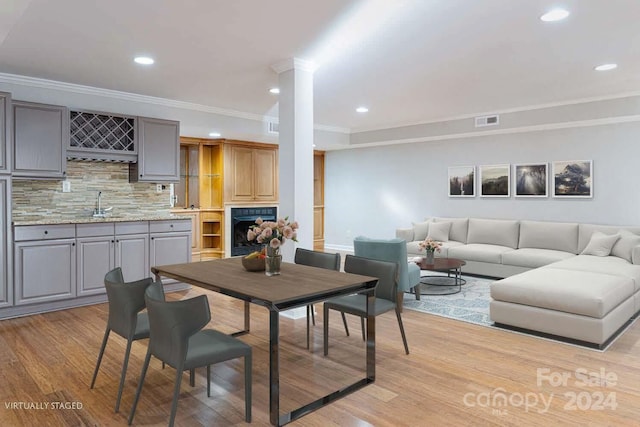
{"x": 531, "y": 179}
{"x": 495, "y": 180}
{"x": 461, "y": 181}
{"x": 572, "y": 179}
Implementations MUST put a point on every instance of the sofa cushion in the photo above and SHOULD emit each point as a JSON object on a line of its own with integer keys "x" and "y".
{"x": 420, "y": 230}
{"x": 459, "y": 227}
{"x": 624, "y": 246}
{"x": 444, "y": 249}
{"x": 578, "y": 292}
{"x": 558, "y": 236}
{"x": 439, "y": 231}
{"x": 494, "y": 232}
{"x": 479, "y": 252}
{"x": 600, "y": 244}
{"x": 533, "y": 258}
{"x": 610, "y": 265}
{"x": 586, "y": 230}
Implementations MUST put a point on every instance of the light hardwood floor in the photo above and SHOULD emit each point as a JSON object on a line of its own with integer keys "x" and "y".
{"x": 452, "y": 368}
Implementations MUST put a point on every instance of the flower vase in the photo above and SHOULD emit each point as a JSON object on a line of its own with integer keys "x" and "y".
{"x": 429, "y": 257}
{"x": 272, "y": 261}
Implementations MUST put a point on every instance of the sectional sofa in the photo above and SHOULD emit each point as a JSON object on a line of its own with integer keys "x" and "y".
{"x": 579, "y": 281}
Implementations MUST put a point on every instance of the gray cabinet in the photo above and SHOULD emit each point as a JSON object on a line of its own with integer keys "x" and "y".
{"x": 95, "y": 259}
{"x": 170, "y": 242}
{"x": 44, "y": 263}
{"x": 40, "y": 134}
{"x": 158, "y": 151}
{"x": 6, "y": 285}
{"x": 5, "y": 131}
{"x": 132, "y": 255}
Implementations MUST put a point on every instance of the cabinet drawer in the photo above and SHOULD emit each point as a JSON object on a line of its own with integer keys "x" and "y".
{"x": 44, "y": 232}
{"x": 93, "y": 230}
{"x": 170, "y": 225}
{"x": 133, "y": 227}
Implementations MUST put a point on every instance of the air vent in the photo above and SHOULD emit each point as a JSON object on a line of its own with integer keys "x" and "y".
{"x": 487, "y": 121}
{"x": 273, "y": 127}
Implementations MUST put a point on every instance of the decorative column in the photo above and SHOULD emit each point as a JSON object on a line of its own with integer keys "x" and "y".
{"x": 295, "y": 111}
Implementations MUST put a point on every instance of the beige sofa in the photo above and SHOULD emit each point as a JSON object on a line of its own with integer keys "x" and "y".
{"x": 552, "y": 283}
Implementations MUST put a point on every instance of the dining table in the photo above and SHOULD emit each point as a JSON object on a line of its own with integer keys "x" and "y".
{"x": 296, "y": 286}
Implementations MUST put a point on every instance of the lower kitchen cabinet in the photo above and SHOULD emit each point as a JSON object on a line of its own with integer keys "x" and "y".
{"x": 95, "y": 258}
{"x": 132, "y": 255}
{"x": 45, "y": 270}
{"x": 6, "y": 282}
{"x": 170, "y": 242}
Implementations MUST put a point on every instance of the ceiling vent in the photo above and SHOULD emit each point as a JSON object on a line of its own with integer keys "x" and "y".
{"x": 273, "y": 127}
{"x": 483, "y": 121}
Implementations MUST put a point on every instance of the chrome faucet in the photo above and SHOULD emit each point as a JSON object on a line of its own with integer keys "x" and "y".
{"x": 99, "y": 212}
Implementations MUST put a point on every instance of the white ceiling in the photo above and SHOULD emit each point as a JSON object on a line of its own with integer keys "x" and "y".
{"x": 417, "y": 61}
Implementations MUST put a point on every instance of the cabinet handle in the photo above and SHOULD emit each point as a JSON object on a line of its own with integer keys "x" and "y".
{"x": 46, "y": 232}
{"x": 113, "y": 241}
{"x": 152, "y": 238}
{"x": 171, "y": 225}
{"x": 140, "y": 175}
{"x": 73, "y": 244}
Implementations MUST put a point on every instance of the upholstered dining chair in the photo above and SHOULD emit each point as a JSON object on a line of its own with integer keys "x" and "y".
{"x": 320, "y": 260}
{"x": 394, "y": 250}
{"x": 126, "y": 301}
{"x": 385, "y": 294}
{"x": 178, "y": 339}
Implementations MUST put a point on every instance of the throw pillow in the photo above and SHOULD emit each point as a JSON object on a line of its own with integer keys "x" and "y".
{"x": 420, "y": 230}
{"x": 439, "y": 231}
{"x": 624, "y": 247}
{"x": 600, "y": 244}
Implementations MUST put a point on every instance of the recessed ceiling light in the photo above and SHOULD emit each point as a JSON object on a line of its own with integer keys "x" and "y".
{"x": 144, "y": 60}
{"x": 215, "y": 134}
{"x": 554, "y": 15}
{"x": 274, "y": 90}
{"x": 362, "y": 109}
{"x": 606, "y": 67}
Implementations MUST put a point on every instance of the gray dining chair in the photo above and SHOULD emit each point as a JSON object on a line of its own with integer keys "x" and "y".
{"x": 320, "y": 260}
{"x": 178, "y": 339}
{"x": 385, "y": 294}
{"x": 126, "y": 301}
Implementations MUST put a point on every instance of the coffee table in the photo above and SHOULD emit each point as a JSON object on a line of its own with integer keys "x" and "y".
{"x": 442, "y": 285}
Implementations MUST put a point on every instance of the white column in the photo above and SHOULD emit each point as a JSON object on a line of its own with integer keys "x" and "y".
{"x": 295, "y": 113}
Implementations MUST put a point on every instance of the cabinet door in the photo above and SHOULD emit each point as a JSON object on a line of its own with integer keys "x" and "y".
{"x": 40, "y": 134}
{"x": 170, "y": 248}
{"x": 158, "y": 150}
{"x": 45, "y": 270}
{"x": 6, "y": 285}
{"x": 95, "y": 259}
{"x": 242, "y": 173}
{"x": 266, "y": 179}
{"x": 132, "y": 255}
{"x": 5, "y": 131}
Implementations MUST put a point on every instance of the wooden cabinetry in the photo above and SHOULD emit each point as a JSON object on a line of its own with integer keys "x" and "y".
{"x": 5, "y": 131}
{"x": 44, "y": 263}
{"x": 40, "y": 134}
{"x": 158, "y": 151}
{"x": 251, "y": 172}
{"x": 318, "y": 200}
{"x": 6, "y": 285}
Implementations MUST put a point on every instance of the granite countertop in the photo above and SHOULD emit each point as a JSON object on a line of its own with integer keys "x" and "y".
{"x": 43, "y": 220}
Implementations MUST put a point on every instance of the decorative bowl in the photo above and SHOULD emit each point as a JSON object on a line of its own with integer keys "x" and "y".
{"x": 253, "y": 264}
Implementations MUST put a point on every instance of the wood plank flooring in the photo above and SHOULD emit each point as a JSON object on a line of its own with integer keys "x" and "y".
{"x": 457, "y": 374}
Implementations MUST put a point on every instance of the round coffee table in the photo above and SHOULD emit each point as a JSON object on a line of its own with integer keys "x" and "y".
{"x": 442, "y": 285}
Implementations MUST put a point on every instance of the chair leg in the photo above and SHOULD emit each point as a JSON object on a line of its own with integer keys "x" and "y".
{"x": 247, "y": 387}
{"x": 140, "y": 383}
{"x": 102, "y": 347}
{"x": 308, "y": 309}
{"x": 192, "y": 377}
{"x": 363, "y": 330}
{"x": 313, "y": 314}
{"x": 176, "y": 393}
{"x": 208, "y": 380}
{"x": 325, "y": 327}
{"x": 404, "y": 337}
{"x": 344, "y": 322}
{"x": 123, "y": 375}
{"x": 416, "y": 289}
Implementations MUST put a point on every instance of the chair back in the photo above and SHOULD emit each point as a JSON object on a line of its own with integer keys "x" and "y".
{"x": 126, "y": 300}
{"x": 317, "y": 259}
{"x": 385, "y": 271}
{"x": 393, "y": 250}
{"x": 171, "y": 324}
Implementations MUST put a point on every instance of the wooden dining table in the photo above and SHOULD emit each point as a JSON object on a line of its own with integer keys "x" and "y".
{"x": 296, "y": 286}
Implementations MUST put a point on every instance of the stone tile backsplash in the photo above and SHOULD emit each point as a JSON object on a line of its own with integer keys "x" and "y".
{"x": 36, "y": 198}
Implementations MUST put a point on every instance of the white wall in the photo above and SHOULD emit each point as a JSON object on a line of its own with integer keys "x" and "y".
{"x": 373, "y": 191}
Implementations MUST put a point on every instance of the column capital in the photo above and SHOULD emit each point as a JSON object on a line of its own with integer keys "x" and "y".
{"x": 294, "y": 64}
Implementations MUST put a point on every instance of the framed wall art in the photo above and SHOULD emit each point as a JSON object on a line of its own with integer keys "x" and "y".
{"x": 462, "y": 181}
{"x": 572, "y": 178}
{"x": 530, "y": 180}
{"x": 495, "y": 180}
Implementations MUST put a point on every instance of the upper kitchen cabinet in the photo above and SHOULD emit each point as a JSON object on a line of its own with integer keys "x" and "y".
{"x": 102, "y": 136}
{"x": 158, "y": 151}
{"x": 252, "y": 172}
{"x": 40, "y": 134}
{"x": 5, "y": 131}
